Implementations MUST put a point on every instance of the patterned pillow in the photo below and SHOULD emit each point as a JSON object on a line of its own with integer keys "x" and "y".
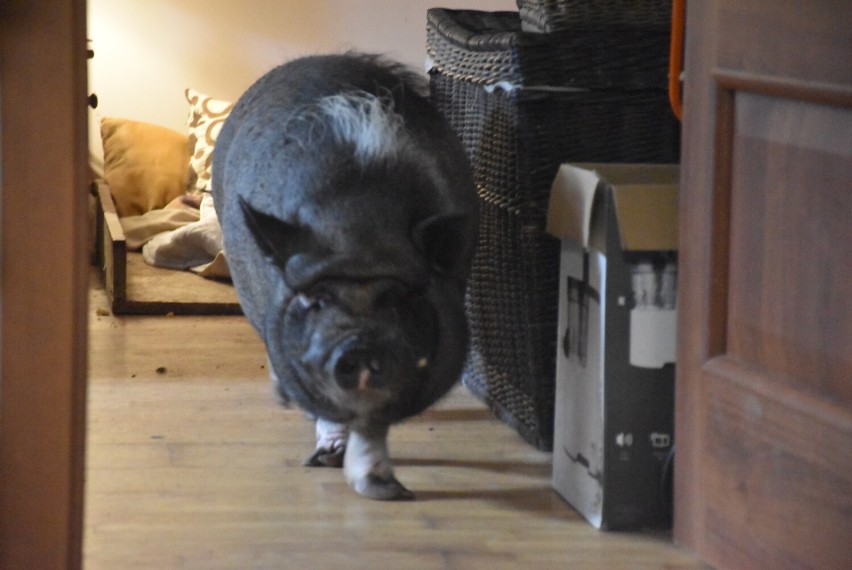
{"x": 206, "y": 117}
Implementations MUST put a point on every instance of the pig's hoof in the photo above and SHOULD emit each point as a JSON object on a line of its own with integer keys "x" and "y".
{"x": 382, "y": 489}
{"x": 326, "y": 457}
{"x": 331, "y": 444}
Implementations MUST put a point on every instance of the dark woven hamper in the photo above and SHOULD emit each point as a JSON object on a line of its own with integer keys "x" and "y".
{"x": 523, "y": 103}
{"x": 562, "y": 15}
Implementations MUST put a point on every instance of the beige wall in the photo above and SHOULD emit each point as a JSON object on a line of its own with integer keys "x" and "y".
{"x": 149, "y": 51}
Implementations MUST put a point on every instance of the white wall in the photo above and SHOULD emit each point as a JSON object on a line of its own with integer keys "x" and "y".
{"x": 148, "y": 51}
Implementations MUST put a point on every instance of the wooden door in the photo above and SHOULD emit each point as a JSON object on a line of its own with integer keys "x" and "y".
{"x": 764, "y": 390}
{"x": 43, "y": 278}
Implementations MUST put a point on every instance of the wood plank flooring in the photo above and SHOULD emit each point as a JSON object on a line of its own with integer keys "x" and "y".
{"x": 191, "y": 464}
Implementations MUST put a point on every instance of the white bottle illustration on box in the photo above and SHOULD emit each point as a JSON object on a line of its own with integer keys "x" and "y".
{"x": 653, "y": 316}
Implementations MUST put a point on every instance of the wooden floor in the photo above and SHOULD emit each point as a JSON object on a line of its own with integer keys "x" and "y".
{"x": 191, "y": 464}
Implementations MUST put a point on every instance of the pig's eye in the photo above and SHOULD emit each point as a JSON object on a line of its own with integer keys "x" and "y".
{"x": 311, "y": 302}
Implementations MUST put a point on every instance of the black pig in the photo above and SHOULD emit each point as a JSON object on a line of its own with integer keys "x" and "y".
{"x": 349, "y": 218}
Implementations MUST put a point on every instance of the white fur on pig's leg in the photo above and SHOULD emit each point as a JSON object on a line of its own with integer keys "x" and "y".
{"x": 331, "y": 444}
{"x": 368, "y": 468}
{"x": 331, "y": 437}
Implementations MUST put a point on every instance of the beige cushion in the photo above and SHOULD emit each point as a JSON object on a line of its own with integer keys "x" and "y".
{"x": 144, "y": 164}
{"x": 206, "y": 117}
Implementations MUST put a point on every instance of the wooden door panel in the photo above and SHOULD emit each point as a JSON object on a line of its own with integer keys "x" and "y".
{"x": 791, "y": 213}
{"x": 783, "y": 38}
{"x": 764, "y": 388}
{"x": 776, "y": 478}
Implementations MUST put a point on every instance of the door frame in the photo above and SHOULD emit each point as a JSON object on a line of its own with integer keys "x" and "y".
{"x": 43, "y": 282}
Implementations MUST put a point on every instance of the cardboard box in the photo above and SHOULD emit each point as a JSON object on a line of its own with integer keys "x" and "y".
{"x": 614, "y": 415}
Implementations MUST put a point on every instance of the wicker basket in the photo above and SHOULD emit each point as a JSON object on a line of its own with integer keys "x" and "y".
{"x": 488, "y": 48}
{"x": 520, "y": 114}
{"x": 546, "y": 16}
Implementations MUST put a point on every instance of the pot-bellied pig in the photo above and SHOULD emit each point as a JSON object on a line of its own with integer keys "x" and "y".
{"x": 349, "y": 217}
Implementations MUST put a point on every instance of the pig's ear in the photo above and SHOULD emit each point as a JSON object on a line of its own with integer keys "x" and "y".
{"x": 444, "y": 240}
{"x": 277, "y": 239}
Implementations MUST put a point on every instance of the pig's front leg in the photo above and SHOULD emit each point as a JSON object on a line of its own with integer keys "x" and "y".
{"x": 368, "y": 468}
{"x": 331, "y": 444}
{"x": 275, "y": 384}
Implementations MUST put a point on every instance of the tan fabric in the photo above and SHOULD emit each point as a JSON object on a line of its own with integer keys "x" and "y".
{"x": 144, "y": 164}
{"x": 216, "y": 269}
{"x": 206, "y": 117}
{"x": 190, "y": 246}
{"x": 139, "y": 230}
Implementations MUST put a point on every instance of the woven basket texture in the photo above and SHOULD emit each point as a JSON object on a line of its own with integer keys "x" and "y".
{"x": 546, "y": 16}
{"x": 516, "y": 139}
{"x": 489, "y": 48}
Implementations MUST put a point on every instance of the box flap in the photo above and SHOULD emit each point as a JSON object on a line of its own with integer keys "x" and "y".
{"x": 621, "y": 174}
{"x": 569, "y": 211}
{"x": 645, "y": 197}
{"x": 647, "y": 216}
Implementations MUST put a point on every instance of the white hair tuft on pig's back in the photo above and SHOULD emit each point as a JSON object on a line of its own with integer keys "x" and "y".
{"x": 365, "y": 121}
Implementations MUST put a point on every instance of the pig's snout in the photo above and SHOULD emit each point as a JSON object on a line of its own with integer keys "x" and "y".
{"x": 358, "y": 366}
